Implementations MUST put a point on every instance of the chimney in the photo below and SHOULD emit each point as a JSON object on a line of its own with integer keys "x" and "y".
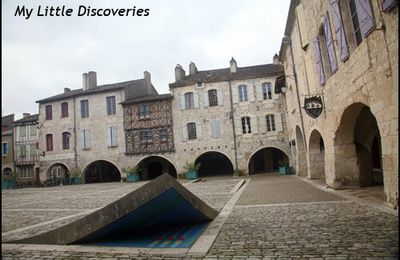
{"x": 275, "y": 59}
{"x": 179, "y": 72}
{"x": 67, "y": 90}
{"x": 147, "y": 77}
{"x": 233, "y": 65}
{"x": 85, "y": 81}
{"x": 25, "y": 115}
{"x": 92, "y": 79}
{"x": 192, "y": 68}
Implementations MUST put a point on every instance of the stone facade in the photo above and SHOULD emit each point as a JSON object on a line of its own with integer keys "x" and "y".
{"x": 209, "y": 100}
{"x": 26, "y": 143}
{"x": 7, "y": 145}
{"x": 355, "y": 138}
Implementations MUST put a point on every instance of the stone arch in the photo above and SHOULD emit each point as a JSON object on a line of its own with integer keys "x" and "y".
{"x": 301, "y": 163}
{"x": 358, "y": 154}
{"x": 214, "y": 163}
{"x": 57, "y": 170}
{"x": 316, "y": 155}
{"x": 266, "y": 159}
{"x": 7, "y": 171}
{"x": 101, "y": 171}
{"x": 153, "y": 166}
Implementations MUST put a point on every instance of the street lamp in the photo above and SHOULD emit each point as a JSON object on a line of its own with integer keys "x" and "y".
{"x": 283, "y": 89}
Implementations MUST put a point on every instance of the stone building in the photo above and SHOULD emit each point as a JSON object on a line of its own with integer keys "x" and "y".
{"x": 229, "y": 119}
{"x": 341, "y": 71}
{"x": 7, "y": 147}
{"x": 26, "y": 143}
{"x": 83, "y": 129}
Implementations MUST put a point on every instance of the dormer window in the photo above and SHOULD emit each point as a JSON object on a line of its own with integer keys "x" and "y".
{"x": 199, "y": 84}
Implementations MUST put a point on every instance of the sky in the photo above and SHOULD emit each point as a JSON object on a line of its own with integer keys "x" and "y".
{"x": 44, "y": 54}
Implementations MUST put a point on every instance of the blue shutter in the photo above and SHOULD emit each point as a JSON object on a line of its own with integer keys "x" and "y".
{"x": 387, "y": 5}
{"x": 318, "y": 61}
{"x": 365, "y": 16}
{"x": 329, "y": 44}
{"x": 339, "y": 30}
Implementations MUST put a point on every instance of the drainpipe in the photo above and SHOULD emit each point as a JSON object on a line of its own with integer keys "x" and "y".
{"x": 289, "y": 40}
{"x": 233, "y": 128}
{"x": 75, "y": 142}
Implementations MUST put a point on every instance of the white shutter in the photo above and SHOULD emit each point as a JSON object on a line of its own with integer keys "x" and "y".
{"x": 259, "y": 93}
{"x": 196, "y": 99}
{"x": 278, "y": 122}
{"x": 220, "y": 95}
{"x": 182, "y": 102}
{"x": 235, "y": 94}
{"x": 184, "y": 133}
{"x": 205, "y": 99}
{"x": 199, "y": 130}
{"x": 82, "y": 139}
{"x": 254, "y": 124}
{"x": 114, "y": 136}
{"x": 251, "y": 92}
{"x": 262, "y": 124}
{"x": 88, "y": 141}
{"x": 109, "y": 137}
{"x": 217, "y": 124}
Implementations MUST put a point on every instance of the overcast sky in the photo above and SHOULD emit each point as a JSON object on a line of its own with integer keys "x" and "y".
{"x": 43, "y": 55}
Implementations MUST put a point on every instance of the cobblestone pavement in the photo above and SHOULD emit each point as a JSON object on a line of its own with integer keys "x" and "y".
{"x": 276, "y": 217}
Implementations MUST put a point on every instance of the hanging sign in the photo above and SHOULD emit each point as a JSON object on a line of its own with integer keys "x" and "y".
{"x": 313, "y": 106}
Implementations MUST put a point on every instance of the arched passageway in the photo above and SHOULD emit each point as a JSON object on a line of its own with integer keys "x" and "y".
{"x": 267, "y": 160}
{"x": 301, "y": 163}
{"x": 214, "y": 164}
{"x": 317, "y": 155}
{"x": 101, "y": 171}
{"x": 57, "y": 171}
{"x": 358, "y": 153}
{"x": 154, "y": 166}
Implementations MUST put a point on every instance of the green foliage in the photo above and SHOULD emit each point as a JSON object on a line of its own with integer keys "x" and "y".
{"x": 192, "y": 167}
{"x": 132, "y": 170}
{"x": 182, "y": 175}
{"x": 76, "y": 172}
{"x": 283, "y": 163}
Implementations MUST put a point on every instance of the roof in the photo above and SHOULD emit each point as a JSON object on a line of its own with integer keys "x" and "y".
{"x": 28, "y": 119}
{"x": 139, "y": 84}
{"x": 217, "y": 75}
{"x": 6, "y": 121}
{"x": 147, "y": 99}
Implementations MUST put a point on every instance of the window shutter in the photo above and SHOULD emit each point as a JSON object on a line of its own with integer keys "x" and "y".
{"x": 250, "y": 88}
{"x": 196, "y": 99}
{"x": 387, "y": 5}
{"x": 213, "y": 134}
{"x": 318, "y": 61}
{"x": 205, "y": 99}
{"x": 259, "y": 93}
{"x": 199, "y": 130}
{"x": 88, "y": 139}
{"x": 109, "y": 137}
{"x": 184, "y": 133}
{"x": 254, "y": 125}
{"x": 235, "y": 94}
{"x": 182, "y": 102}
{"x": 329, "y": 44}
{"x": 220, "y": 96}
{"x": 278, "y": 122}
{"x": 365, "y": 16}
{"x": 82, "y": 139}
{"x": 263, "y": 124}
{"x": 215, "y": 129}
{"x": 302, "y": 24}
{"x": 339, "y": 30}
{"x": 114, "y": 136}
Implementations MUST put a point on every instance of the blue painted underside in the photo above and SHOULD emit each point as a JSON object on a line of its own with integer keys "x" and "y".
{"x": 166, "y": 221}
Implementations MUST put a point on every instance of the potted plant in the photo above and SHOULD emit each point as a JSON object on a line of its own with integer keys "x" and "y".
{"x": 132, "y": 173}
{"x": 76, "y": 176}
{"x": 283, "y": 167}
{"x": 191, "y": 170}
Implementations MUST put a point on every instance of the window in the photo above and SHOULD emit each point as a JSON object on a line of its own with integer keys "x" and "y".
{"x": 112, "y": 136}
{"x": 191, "y": 129}
{"x": 270, "y": 123}
{"x": 22, "y": 131}
{"x": 189, "y": 100}
{"x": 146, "y": 137}
{"x": 22, "y": 151}
{"x": 163, "y": 135}
{"x": 33, "y": 150}
{"x": 215, "y": 128}
{"x": 26, "y": 172}
{"x": 49, "y": 142}
{"x": 111, "y": 107}
{"x": 49, "y": 112}
{"x": 65, "y": 140}
{"x": 64, "y": 109}
{"x": 246, "y": 127}
{"x": 5, "y": 149}
{"x": 266, "y": 90}
{"x": 33, "y": 130}
{"x": 84, "y": 108}
{"x": 85, "y": 139}
{"x": 355, "y": 22}
{"x": 243, "y": 93}
{"x": 213, "y": 97}
{"x": 144, "y": 111}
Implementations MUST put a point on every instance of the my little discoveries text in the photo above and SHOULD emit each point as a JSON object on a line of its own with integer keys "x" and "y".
{"x": 82, "y": 10}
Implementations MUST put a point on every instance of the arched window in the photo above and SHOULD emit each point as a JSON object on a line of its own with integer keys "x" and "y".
{"x": 65, "y": 140}
{"x": 49, "y": 142}
{"x": 213, "y": 98}
{"x": 191, "y": 129}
